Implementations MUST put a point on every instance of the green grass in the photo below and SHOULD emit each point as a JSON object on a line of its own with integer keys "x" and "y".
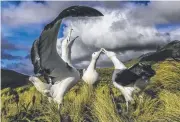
{"x": 158, "y": 102}
{"x": 103, "y": 107}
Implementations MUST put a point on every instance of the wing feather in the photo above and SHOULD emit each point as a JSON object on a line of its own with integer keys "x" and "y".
{"x": 49, "y": 58}
{"x": 126, "y": 77}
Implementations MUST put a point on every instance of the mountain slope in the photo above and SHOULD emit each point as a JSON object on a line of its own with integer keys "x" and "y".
{"x": 171, "y": 50}
{"x": 12, "y": 79}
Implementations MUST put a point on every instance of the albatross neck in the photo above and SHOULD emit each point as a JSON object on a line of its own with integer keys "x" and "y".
{"x": 66, "y": 55}
{"x": 117, "y": 63}
{"x": 92, "y": 64}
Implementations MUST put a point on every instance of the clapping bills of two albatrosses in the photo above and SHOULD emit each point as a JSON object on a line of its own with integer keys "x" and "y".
{"x": 123, "y": 78}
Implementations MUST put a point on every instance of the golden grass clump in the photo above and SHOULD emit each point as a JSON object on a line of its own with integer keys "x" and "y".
{"x": 166, "y": 85}
{"x": 77, "y": 101}
{"x": 170, "y": 105}
{"x": 167, "y": 76}
{"x": 103, "y": 107}
{"x": 147, "y": 109}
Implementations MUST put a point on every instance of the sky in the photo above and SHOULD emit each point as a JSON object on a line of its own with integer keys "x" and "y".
{"x": 130, "y": 29}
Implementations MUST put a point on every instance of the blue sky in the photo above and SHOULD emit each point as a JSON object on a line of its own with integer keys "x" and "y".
{"x": 17, "y": 37}
{"x": 21, "y": 37}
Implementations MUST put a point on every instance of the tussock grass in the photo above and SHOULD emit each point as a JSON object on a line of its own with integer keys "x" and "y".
{"x": 78, "y": 99}
{"x": 103, "y": 106}
{"x": 18, "y": 105}
{"x": 164, "y": 105}
{"x": 147, "y": 109}
{"x": 50, "y": 110}
{"x": 170, "y": 105}
{"x": 159, "y": 102}
{"x": 167, "y": 76}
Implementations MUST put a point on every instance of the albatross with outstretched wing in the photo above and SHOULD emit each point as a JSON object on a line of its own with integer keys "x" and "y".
{"x": 47, "y": 61}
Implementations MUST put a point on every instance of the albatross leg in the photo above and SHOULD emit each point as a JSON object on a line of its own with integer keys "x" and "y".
{"x": 59, "y": 111}
{"x": 49, "y": 99}
{"x": 48, "y": 79}
{"x": 127, "y": 106}
{"x": 141, "y": 98}
{"x": 59, "y": 106}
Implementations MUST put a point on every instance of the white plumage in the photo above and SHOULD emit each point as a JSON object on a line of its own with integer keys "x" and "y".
{"x": 55, "y": 91}
{"x": 90, "y": 75}
{"x": 125, "y": 90}
{"x": 66, "y": 47}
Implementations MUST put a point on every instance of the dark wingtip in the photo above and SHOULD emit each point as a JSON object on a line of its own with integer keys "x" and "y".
{"x": 95, "y": 10}
{"x": 75, "y": 11}
{"x": 100, "y": 14}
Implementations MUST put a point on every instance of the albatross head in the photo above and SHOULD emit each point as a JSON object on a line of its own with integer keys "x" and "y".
{"x": 43, "y": 88}
{"x": 66, "y": 40}
{"x": 95, "y": 55}
{"x": 69, "y": 34}
{"x": 34, "y": 80}
{"x": 146, "y": 70}
{"x": 110, "y": 54}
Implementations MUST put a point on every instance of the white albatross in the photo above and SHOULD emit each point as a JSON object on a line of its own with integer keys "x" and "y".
{"x": 128, "y": 79}
{"x": 47, "y": 61}
{"x": 90, "y": 75}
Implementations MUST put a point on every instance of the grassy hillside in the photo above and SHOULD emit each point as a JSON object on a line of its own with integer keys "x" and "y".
{"x": 158, "y": 102}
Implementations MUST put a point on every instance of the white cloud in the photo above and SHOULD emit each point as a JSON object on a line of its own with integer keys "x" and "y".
{"x": 157, "y": 12}
{"x": 115, "y": 32}
{"x": 175, "y": 34}
{"x": 33, "y": 12}
{"x": 29, "y": 12}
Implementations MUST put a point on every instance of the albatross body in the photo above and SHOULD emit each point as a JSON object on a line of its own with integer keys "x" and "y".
{"x": 49, "y": 62}
{"x": 128, "y": 79}
{"x": 90, "y": 75}
{"x": 56, "y": 91}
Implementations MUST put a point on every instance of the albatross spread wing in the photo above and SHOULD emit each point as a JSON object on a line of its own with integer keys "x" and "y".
{"x": 132, "y": 74}
{"x": 142, "y": 70}
{"x": 46, "y": 44}
{"x": 125, "y": 77}
{"x": 35, "y": 57}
